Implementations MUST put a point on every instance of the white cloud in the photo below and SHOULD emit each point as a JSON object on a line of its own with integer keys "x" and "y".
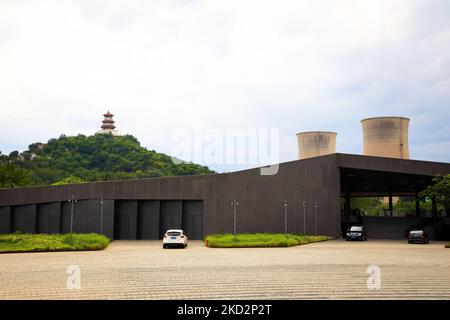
{"x": 159, "y": 65}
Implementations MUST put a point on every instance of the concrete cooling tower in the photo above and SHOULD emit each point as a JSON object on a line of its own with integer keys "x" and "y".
{"x": 315, "y": 143}
{"x": 386, "y": 137}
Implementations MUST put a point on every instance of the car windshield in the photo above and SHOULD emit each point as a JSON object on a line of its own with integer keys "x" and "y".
{"x": 417, "y": 232}
{"x": 173, "y": 233}
{"x": 356, "y": 228}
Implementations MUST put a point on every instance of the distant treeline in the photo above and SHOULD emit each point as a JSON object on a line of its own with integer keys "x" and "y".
{"x": 88, "y": 158}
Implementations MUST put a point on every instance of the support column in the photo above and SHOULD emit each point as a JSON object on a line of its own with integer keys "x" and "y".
{"x": 417, "y": 206}
{"x": 347, "y": 205}
{"x": 390, "y": 203}
{"x": 434, "y": 210}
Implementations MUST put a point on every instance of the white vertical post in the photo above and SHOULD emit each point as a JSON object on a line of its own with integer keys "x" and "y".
{"x": 234, "y": 203}
{"x": 72, "y": 202}
{"x": 304, "y": 217}
{"x": 234, "y": 217}
{"x": 101, "y": 215}
{"x": 315, "y": 218}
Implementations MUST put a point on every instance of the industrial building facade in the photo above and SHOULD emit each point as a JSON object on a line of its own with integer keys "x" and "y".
{"x": 314, "y": 195}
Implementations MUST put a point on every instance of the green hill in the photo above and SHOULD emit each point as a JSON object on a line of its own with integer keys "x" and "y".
{"x": 88, "y": 158}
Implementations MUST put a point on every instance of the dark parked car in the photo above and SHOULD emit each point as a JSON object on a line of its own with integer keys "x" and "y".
{"x": 357, "y": 232}
{"x": 418, "y": 236}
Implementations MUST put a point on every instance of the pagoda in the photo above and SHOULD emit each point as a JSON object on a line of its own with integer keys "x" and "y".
{"x": 108, "y": 126}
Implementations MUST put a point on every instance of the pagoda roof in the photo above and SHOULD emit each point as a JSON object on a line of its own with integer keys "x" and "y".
{"x": 108, "y": 114}
{"x": 108, "y": 126}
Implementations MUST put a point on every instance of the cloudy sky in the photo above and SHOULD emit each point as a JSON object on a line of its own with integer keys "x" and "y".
{"x": 165, "y": 66}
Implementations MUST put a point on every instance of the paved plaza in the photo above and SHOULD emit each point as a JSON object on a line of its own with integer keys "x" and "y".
{"x": 143, "y": 270}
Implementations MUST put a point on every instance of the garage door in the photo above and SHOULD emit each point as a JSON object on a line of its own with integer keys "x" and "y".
{"x": 49, "y": 217}
{"x": 148, "y": 220}
{"x": 171, "y": 216}
{"x": 193, "y": 219}
{"x": 5, "y": 219}
{"x": 125, "y": 220}
{"x": 24, "y": 218}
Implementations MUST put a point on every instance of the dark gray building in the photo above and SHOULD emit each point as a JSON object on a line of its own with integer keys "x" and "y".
{"x": 318, "y": 193}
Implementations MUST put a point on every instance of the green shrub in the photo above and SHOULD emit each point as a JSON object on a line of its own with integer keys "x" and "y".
{"x": 260, "y": 240}
{"x": 23, "y": 242}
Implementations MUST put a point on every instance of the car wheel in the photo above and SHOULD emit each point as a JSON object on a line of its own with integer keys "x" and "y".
{"x": 164, "y": 246}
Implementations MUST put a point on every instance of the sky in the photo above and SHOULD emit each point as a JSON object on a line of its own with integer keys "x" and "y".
{"x": 167, "y": 69}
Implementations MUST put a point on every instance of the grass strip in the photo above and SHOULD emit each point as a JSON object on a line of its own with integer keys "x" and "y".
{"x": 24, "y": 242}
{"x": 260, "y": 240}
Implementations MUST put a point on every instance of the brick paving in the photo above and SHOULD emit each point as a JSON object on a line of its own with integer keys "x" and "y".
{"x": 143, "y": 270}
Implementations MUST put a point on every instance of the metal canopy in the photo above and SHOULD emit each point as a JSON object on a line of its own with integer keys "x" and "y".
{"x": 379, "y": 183}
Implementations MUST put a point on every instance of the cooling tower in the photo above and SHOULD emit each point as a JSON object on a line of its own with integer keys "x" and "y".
{"x": 386, "y": 137}
{"x": 315, "y": 143}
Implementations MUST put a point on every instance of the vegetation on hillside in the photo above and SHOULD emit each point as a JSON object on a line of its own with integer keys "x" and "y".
{"x": 22, "y": 242}
{"x": 82, "y": 158}
{"x": 260, "y": 240}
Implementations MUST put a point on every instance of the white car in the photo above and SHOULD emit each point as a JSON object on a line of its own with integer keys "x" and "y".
{"x": 175, "y": 238}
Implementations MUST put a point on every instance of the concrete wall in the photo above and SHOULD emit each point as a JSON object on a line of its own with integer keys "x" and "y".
{"x": 130, "y": 210}
{"x": 87, "y": 216}
{"x": 389, "y": 227}
{"x": 313, "y": 181}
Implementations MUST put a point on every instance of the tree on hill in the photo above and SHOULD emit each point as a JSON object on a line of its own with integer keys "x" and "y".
{"x": 68, "y": 180}
{"x": 88, "y": 158}
{"x": 440, "y": 190}
{"x": 12, "y": 176}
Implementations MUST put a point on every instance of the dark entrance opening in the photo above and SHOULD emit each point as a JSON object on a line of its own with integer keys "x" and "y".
{"x": 388, "y": 205}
